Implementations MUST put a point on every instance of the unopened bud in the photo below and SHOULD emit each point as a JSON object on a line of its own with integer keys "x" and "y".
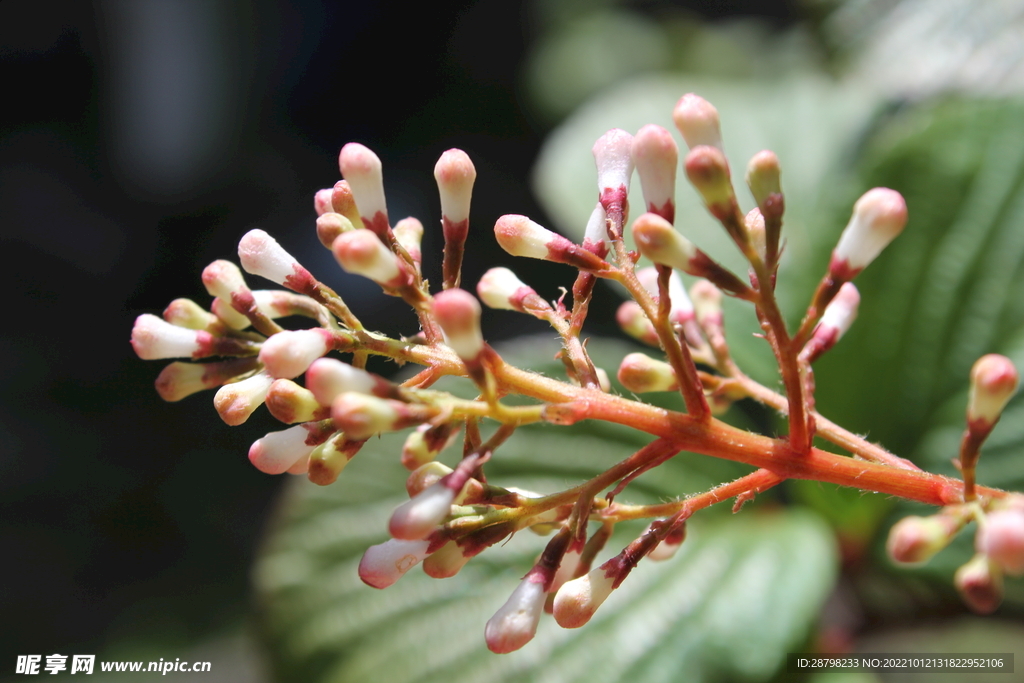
{"x": 614, "y": 159}
{"x": 455, "y": 175}
{"x": 640, "y": 374}
{"x": 708, "y": 172}
{"x": 994, "y": 381}
{"x": 515, "y": 623}
{"x": 707, "y": 303}
{"x": 425, "y": 476}
{"x": 915, "y": 540}
{"x": 500, "y": 288}
{"x": 330, "y": 225}
{"x": 681, "y": 308}
{"x": 425, "y": 443}
{"x": 345, "y": 204}
{"x": 1001, "y": 537}
{"x": 577, "y": 600}
{"x": 697, "y": 121}
{"x": 656, "y": 155}
{"x": 384, "y": 564}
{"x": 362, "y": 169}
{"x": 154, "y": 338}
{"x": 179, "y": 379}
{"x": 261, "y": 255}
{"x": 763, "y": 176}
{"x": 980, "y": 583}
{"x": 669, "y": 546}
{"x": 520, "y": 236}
{"x": 188, "y": 314}
{"x": 228, "y": 315}
{"x": 754, "y": 223}
{"x": 327, "y": 378}
{"x": 409, "y": 233}
{"x": 835, "y": 321}
{"x": 223, "y": 279}
{"x": 290, "y": 403}
{"x": 418, "y": 517}
{"x": 878, "y": 217}
{"x": 362, "y": 253}
{"x": 458, "y": 313}
{"x": 328, "y": 460}
{"x": 235, "y": 402}
{"x": 596, "y": 235}
{"x": 361, "y": 416}
{"x": 277, "y": 452}
{"x": 322, "y": 201}
{"x": 658, "y": 240}
{"x": 633, "y": 321}
{"x": 446, "y": 562}
{"x": 289, "y": 353}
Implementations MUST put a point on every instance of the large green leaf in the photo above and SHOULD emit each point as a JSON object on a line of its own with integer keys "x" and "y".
{"x": 740, "y": 593}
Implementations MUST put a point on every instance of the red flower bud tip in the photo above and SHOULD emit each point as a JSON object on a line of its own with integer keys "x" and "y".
{"x": 361, "y": 416}
{"x": 229, "y": 316}
{"x": 327, "y": 378}
{"x": 681, "y": 307}
{"x": 362, "y": 169}
{"x": 425, "y": 476}
{"x": 418, "y": 517}
{"x": 520, "y": 236}
{"x": 446, "y": 562}
{"x": 577, "y": 600}
{"x": 187, "y": 313}
{"x": 360, "y": 252}
{"x": 1001, "y": 537}
{"x": 515, "y": 623}
{"x": 697, "y": 120}
{"x": 707, "y": 302}
{"x": 763, "y": 176}
{"x": 614, "y": 159}
{"x": 287, "y": 354}
{"x": 708, "y": 172}
{"x": 222, "y": 279}
{"x": 322, "y": 201}
{"x": 835, "y": 321}
{"x": 458, "y": 313}
{"x": 179, "y": 380}
{"x": 290, "y": 403}
{"x": 277, "y": 452}
{"x": 641, "y": 374}
{"x": 345, "y": 204}
{"x": 980, "y": 583}
{"x": 878, "y": 217}
{"x": 235, "y": 402}
{"x": 633, "y": 321}
{"x": 668, "y": 546}
{"x": 915, "y": 540}
{"x": 386, "y": 563}
{"x": 500, "y": 288}
{"x": 455, "y": 174}
{"x": 656, "y": 155}
{"x": 330, "y": 225}
{"x": 261, "y": 255}
{"x": 409, "y": 233}
{"x": 658, "y": 240}
{"x": 596, "y": 235}
{"x": 994, "y": 381}
{"x": 154, "y": 338}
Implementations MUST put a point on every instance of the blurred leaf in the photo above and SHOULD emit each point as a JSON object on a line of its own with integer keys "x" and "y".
{"x": 704, "y": 613}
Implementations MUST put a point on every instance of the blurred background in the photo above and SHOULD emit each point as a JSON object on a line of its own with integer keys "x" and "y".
{"x": 141, "y": 138}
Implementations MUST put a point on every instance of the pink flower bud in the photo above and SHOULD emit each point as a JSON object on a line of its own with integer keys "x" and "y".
{"x": 418, "y": 517}
{"x": 276, "y": 452}
{"x": 386, "y": 563}
{"x": 515, "y": 623}
{"x": 188, "y": 314}
{"x": 360, "y": 252}
{"x": 330, "y": 225}
{"x": 980, "y": 583}
{"x": 835, "y": 321}
{"x": 520, "y": 236}
{"x": 994, "y": 381}
{"x": 446, "y": 562}
{"x": 362, "y": 169}
{"x": 878, "y": 217}
{"x": 290, "y": 403}
{"x": 708, "y": 172}
{"x": 345, "y": 204}
{"x": 458, "y": 313}
{"x": 287, "y": 354}
{"x": 409, "y": 233}
{"x": 915, "y": 540}
{"x": 640, "y": 374}
{"x": 633, "y": 321}
{"x": 327, "y": 378}
{"x": 223, "y": 278}
{"x": 179, "y": 380}
{"x": 261, "y": 255}
{"x": 235, "y": 402}
{"x": 763, "y": 176}
{"x": 154, "y": 338}
{"x": 322, "y": 201}
{"x": 1001, "y": 537}
{"x": 577, "y": 600}
{"x": 697, "y": 120}
{"x": 614, "y": 159}
{"x": 655, "y": 154}
{"x": 500, "y": 288}
{"x": 361, "y": 416}
{"x": 658, "y": 240}
{"x": 455, "y": 175}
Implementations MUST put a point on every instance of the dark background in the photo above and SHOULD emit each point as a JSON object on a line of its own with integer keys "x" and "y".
{"x": 139, "y": 139}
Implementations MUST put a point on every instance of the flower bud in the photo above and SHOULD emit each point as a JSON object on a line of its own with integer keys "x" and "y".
{"x": 515, "y": 623}
{"x": 577, "y": 600}
{"x": 763, "y": 176}
{"x": 754, "y": 224}
{"x": 878, "y": 217}
{"x": 914, "y": 540}
{"x": 327, "y": 378}
{"x": 697, "y": 121}
{"x": 595, "y": 237}
{"x": 409, "y": 233}
{"x": 1001, "y": 537}
{"x": 614, "y": 159}
{"x": 291, "y": 403}
{"x": 362, "y": 253}
{"x": 980, "y": 583}
{"x": 328, "y": 460}
{"x": 566, "y": 569}
{"x": 500, "y": 288}
{"x": 458, "y": 313}
{"x": 520, "y": 236}
{"x": 330, "y": 225}
{"x": 681, "y": 308}
{"x": 276, "y": 452}
{"x": 287, "y": 354}
{"x": 708, "y": 172}
{"x": 419, "y": 516}
{"x": 387, "y": 562}
{"x": 179, "y": 380}
{"x": 835, "y": 321}
{"x": 322, "y": 201}
{"x": 640, "y": 374}
{"x": 223, "y": 279}
{"x": 655, "y": 154}
{"x": 446, "y": 562}
{"x": 668, "y": 546}
{"x": 707, "y": 303}
{"x": 228, "y": 315}
{"x": 345, "y": 204}
{"x": 658, "y": 240}
{"x": 235, "y": 402}
{"x": 154, "y": 338}
{"x": 633, "y": 321}
{"x": 261, "y": 255}
{"x": 362, "y": 169}
{"x": 424, "y": 444}
{"x": 361, "y": 416}
{"x": 425, "y": 476}
{"x": 994, "y": 381}
{"x": 455, "y": 175}
{"x": 190, "y": 315}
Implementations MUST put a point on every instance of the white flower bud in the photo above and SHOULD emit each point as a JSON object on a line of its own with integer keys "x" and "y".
{"x": 698, "y": 122}
{"x": 458, "y": 313}
{"x": 154, "y": 338}
{"x": 515, "y": 623}
{"x": 387, "y": 562}
{"x": 455, "y": 175}
{"x": 658, "y": 240}
{"x": 235, "y": 402}
{"x": 261, "y": 255}
{"x": 500, "y": 288}
{"x": 994, "y": 381}
{"x": 361, "y": 168}
{"x": 287, "y": 354}
{"x": 578, "y": 600}
{"x": 878, "y": 217}
{"x": 597, "y": 226}
{"x": 656, "y": 155}
{"x": 1001, "y": 537}
{"x": 327, "y": 378}
{"x": 222, "y": 279}
{"x": 614, "y": 159}
{"x": 277, "y": 452}
{"x": 418, "y": 517}
{"x": 362, "y": 253}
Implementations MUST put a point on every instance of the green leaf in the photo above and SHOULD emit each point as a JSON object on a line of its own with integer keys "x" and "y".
{"x": 741, "y": 592}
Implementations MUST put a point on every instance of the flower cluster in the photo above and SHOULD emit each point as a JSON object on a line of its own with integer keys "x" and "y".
{"x": 454, "y": 513}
